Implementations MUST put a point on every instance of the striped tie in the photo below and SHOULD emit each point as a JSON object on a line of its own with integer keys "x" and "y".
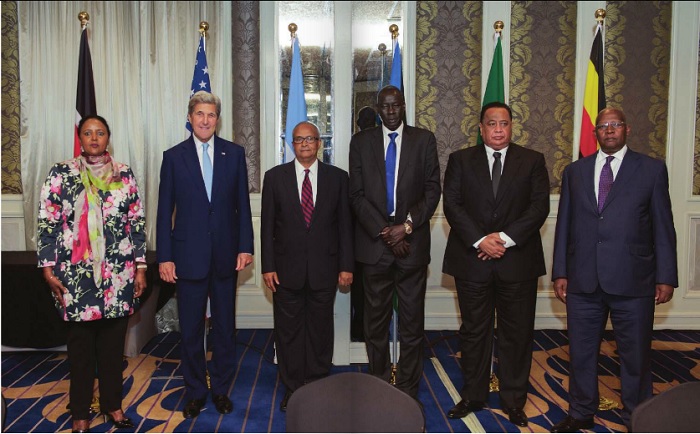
{"x": 307, "y": 198}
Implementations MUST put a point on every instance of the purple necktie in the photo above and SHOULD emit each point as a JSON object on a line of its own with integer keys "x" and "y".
{"x": 307, "y": 199}
{"x": 606, "y": 182}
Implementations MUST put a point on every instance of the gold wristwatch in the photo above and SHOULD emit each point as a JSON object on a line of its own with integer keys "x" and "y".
{"x": 408, "y": 228}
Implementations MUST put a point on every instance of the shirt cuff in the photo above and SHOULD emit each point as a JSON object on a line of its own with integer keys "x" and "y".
{"x": 509, "y": 241}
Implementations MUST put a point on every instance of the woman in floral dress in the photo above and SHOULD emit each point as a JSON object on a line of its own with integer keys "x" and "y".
{"x": 92, "y": 248}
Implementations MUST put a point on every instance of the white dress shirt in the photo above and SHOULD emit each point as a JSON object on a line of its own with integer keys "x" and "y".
{"x": 489, "y": 156}
{"x": 313, "y": 177}
{"x": 614, "y": 165}
{"x": 386, "y": 131}
{"x": 198, "y": 146}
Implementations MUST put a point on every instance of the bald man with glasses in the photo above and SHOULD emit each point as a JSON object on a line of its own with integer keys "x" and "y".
{"x": 307, "y": 251}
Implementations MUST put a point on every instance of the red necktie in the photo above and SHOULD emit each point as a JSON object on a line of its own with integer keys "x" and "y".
{"x": 307, "y": 198}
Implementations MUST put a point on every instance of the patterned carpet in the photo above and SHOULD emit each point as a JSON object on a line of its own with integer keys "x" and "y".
{"x": 35, "y": 386}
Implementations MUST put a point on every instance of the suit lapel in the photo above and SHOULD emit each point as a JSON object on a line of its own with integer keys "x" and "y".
{"x": 511, "y": 166}
{"x": 189, "y": 157}
{"x": 220, "y": 164}
{"x": 407, "y": 153}
{"x": 322, "y": 195}
{"x": 377, "y": 145}
{"x": 588, "y": 180}
{"x": 291, "y": 190}
{"x": 480, "y": 167}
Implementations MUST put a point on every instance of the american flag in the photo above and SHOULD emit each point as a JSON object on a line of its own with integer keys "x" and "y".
{"x": 200, "y": 79}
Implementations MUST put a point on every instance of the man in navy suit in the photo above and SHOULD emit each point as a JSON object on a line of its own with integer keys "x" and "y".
{"x": 204, "y": 183}
{"x": 392, "y": 233}
{"x": 496, "y": 198}
{"x": 306, "y": 240}
{"x": 614, "y": 255}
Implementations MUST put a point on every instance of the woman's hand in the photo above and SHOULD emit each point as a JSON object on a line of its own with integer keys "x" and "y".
{"x": 57, "y": 288}
{"x": 139, "y": 282}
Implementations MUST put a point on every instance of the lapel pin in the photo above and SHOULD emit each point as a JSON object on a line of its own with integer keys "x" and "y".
{"x": 223, "y": 153}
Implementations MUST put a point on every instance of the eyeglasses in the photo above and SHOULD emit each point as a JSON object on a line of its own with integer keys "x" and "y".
{"x": 615, "y": 125}
{"x": 307, "y": 139}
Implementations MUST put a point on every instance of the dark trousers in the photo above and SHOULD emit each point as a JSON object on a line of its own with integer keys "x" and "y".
{"x": 380, "y": 280}
{"x": 96, "y": 347}
{"x": 192, "y": 306}
{"x": 303, "y": 333}
{"x": 357, "y": 304}
{"x": 514, "y": 305}
{"x": 632, "y": 320}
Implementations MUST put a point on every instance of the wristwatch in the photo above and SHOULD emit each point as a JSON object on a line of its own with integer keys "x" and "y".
{"x": 408, "y": 228}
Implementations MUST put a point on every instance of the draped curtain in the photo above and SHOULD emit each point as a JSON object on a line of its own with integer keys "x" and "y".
{"x": 143, "y": 57}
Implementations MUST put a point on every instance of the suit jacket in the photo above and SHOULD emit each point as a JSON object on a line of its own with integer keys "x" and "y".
{"x": 417, "y": 191}
{"x": 204, "y": 234}
{"x": 519, "y": 209}
{"x": 627, "y": 248}
{"x": 296, "y": 253}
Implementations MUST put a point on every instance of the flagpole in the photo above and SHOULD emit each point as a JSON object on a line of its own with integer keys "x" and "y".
{"x": 394, "y": 30}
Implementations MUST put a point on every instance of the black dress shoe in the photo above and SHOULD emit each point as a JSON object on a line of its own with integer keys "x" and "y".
{"x": 222, "y": 403}
{"x": 516, "y": 416}
{"x": 192, "y": 408}
{"x": 463, "y": 408}
{"x": 569, "y": 424}
{"x": 285, "y": 400}
{"x": 122, "y": 423}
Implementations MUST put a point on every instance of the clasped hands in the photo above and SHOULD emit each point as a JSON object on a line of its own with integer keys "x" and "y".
{"x": 395, "y": 237}
{"x": 491, "y": 247}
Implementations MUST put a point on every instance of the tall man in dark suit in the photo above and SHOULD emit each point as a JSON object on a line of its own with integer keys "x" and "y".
{"x": 204, "y": 182}
{"x": 366, "y": 118}
{"x": 394, "y": 190}
{"x": 496, "y": 199}
{"x": 306, "y": 237}
{"x": 614, "y": 254}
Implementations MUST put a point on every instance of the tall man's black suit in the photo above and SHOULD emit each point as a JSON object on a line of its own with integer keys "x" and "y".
{"x": 417, "y": 194}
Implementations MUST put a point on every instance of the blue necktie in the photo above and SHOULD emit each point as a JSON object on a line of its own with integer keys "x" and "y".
{"x": 390, "y": 164}
{"x": 605, "y": 183}
{"x": 207, "y": 169}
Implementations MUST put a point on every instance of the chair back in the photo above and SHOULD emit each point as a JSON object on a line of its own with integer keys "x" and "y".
{"x": 674, "y": 410}
{"x": 353, "y": 402}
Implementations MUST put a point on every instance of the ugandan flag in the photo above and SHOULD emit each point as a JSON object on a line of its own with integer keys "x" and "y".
{"x": 593, "y": 98}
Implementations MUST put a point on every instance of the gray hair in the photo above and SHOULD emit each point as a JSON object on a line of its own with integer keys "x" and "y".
{"x": 204, "y": 97}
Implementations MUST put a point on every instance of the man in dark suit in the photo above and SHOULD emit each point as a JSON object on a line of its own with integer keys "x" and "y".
{"x": 306, "y": 237}
{"x": 394, "y": 190}
{"x": 204, "y": 182}
{"x": 614, "y": 254}
{"x": 496, "y": 199}
{"x": 366, "y": 118}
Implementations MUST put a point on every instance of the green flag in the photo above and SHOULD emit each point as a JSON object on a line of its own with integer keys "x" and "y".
{"x": 495, "y": 88}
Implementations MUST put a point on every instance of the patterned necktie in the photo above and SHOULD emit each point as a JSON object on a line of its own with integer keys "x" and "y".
{"x": 307, "y": 198}
{"x": 390, "y": 164}
{"x": 606, "y": 182}
{"x": 207, "y": 169}
{"x": 496, "y": 172}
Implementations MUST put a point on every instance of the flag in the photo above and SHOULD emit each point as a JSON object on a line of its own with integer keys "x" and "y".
{"x": 495, "y": 87}
{"x": 593, "y": 97}
{"x": 200, "y": 78}
{"x": 296, "y": 101}
{"x": 396, "y": 66}
{"x": 85, "y": 96}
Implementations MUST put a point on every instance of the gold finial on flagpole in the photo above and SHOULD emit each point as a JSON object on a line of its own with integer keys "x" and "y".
{"x": 394, "y": 29}
{"x": 498, "y": 26}
{"x": 600, "y": 15}
{"x": 203, "y": 28}
{"x": 84, "y": 17}
{"x": 382, "y": 48}
{"x": 292, "y": 27}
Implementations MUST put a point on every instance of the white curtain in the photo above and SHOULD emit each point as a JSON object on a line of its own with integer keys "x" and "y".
{"x": 143, "y": 57}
